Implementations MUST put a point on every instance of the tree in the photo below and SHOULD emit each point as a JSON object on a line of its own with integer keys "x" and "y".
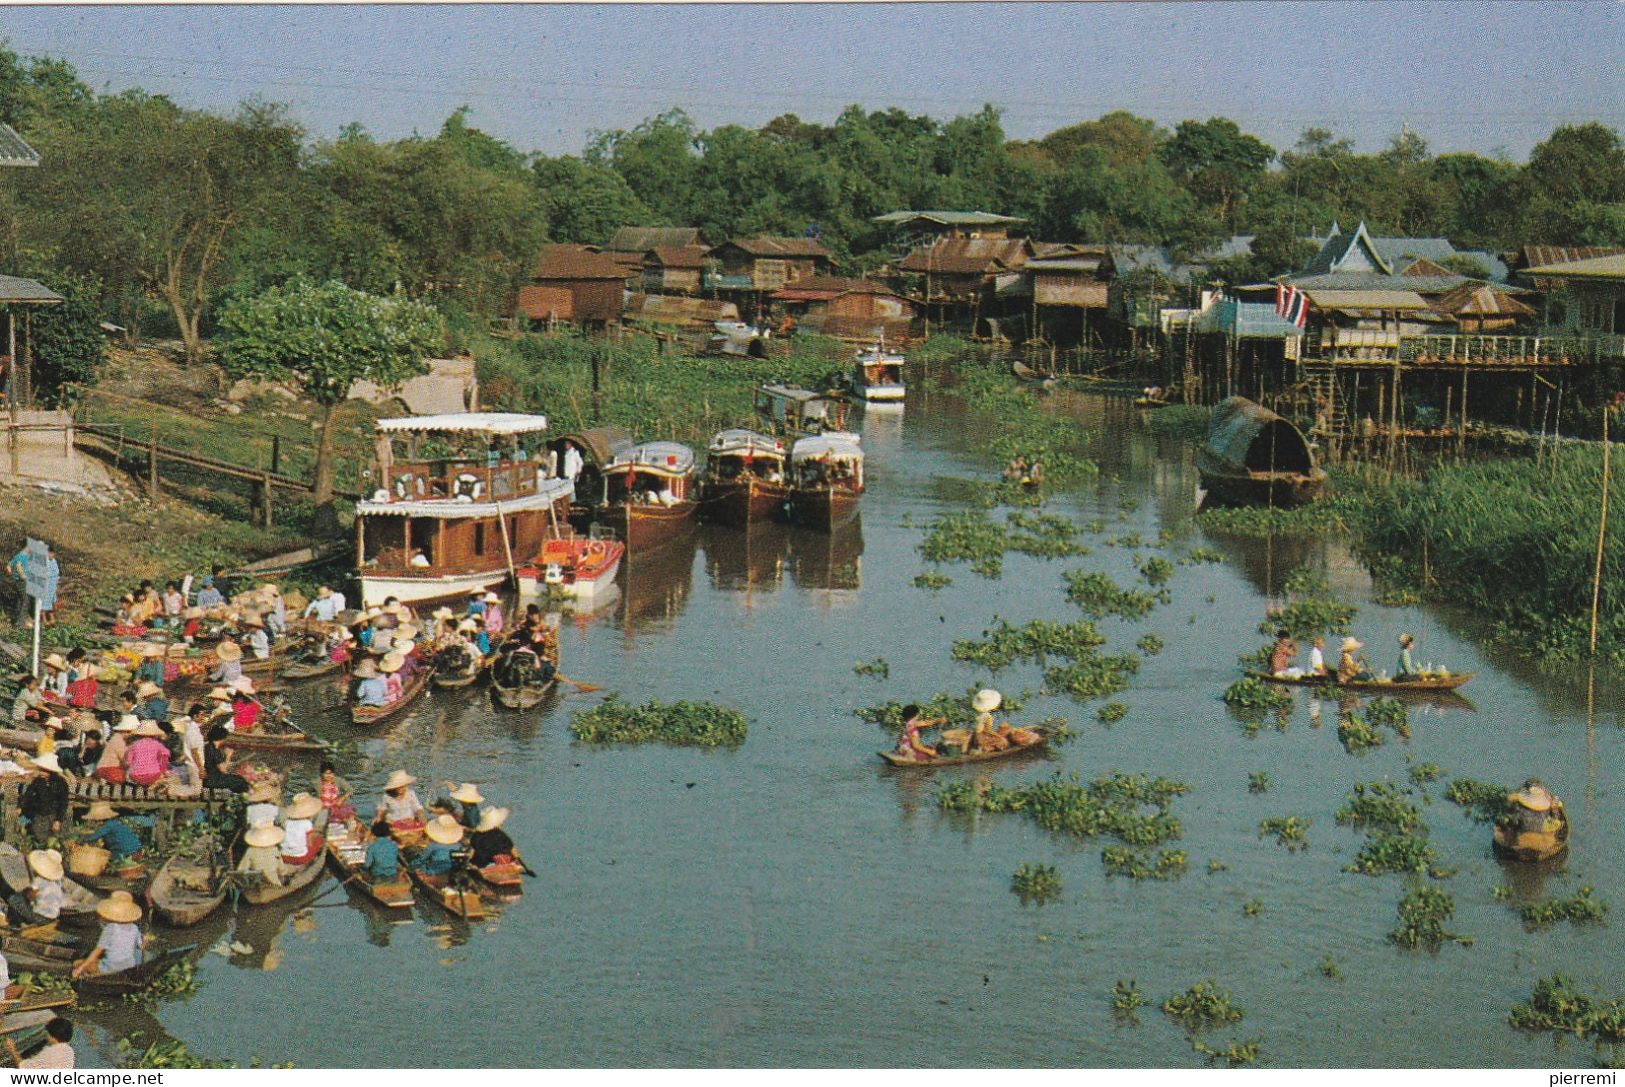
{"x": 326, "y": 337}
{"x": 583, "y": 202}
{"x": 1217, "y": 162}
{"x": 67, "y": 338}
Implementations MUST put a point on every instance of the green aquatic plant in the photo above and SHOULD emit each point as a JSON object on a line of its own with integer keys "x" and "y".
{"x": 1202, "y": 1006}
{"x": 1099, "y": 596}
{"x": 1579, "y": 908}
{"x": 1312, "y": 608}
{"x": 1484, "y": 803}
{"x": 1197, "y": 556}
{"x": 1357, "y": 736}
{"x": 1120, "y": 860}
{"x": 1234, "y": 1054}
{"x": 1557, "y": 1005}
{"x": 1156, "y": 571}
{"x": 1382, "y": 807}
{"x": 163, "y": 1054}
{"x": 1328, "y": 969}
{"x": 1389, "y": 713}
{"x": 1036, "y": 883}
{"x": 1110, "y": 713}
{"x": 1252, "y": 907}
{"x": 1150, "y": 643}
{"x": 1003, "y": 644}
{"x": 1388, "y": 853}
{"x": 1422, "y": 916}
{"x": 1128, "y": 541}
{"x": 953, "y": 708}
{"x": 1215, "y": 866}
{"x": 965, "y": 536}
{"x": 1043, "y": 535}
{"x": 1425, "y": 772}
{"x": 1258, "y": 781}
{"x": 682, "y": 723}
{"x": 1092, "y": 676}
{"x": 877, "y": 667}
{"x": 1127, "y": 1000}
{"x": 1290, "y": 830}
{"x": 932, "y": 580}
{"x": 1251, "y": 694}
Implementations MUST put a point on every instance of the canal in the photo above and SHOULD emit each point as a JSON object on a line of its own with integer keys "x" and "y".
{"x": 795, "y": 902}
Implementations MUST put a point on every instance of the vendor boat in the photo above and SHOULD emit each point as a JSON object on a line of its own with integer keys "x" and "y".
{"x": 347, "y": 852}
{"x": 826, "y": 473}
{"x": 1422, "y": 684}
{"x": 1255, "y": 457}
{"x": 192, "y": 884}
{"x": 649, "y": 494}
{"x": 905, "y": 763}
{"x": 369, "y": 716}
{"x": 455, "y": 896}
{"x": 471, "y": 497}
{"x": 136, "y": 978}
{"x": 877, "y": 376}
{"x": 744, "y": 478}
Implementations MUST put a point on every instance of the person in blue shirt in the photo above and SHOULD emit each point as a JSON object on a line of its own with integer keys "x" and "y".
{"x": 153, "y": 705}
{"x": 17, "y": 568}
{"x": 438, "y": 857}
{"x": 476, "y": 604}
{"x": 209, "y": 596}
{"x": 383, "y": 860}
{"x": 372, "y": 690}
{"x": 114, "y": 834}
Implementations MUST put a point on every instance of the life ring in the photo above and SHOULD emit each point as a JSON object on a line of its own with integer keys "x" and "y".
{"x": 596, "y": 548}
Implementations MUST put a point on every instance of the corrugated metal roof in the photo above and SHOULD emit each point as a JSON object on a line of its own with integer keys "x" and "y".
{"x": 678, "y": 256}
{"x": 1421, "y": 266}
{"x": 14, "y": 150}
{"x": 1246, "y": 320}
{"x": 1483, "y": 300}
{"x": 967, "y": 256}
{"x": 948, "y": 218}
{"x": 1065, "y": 264}
{"x": 825, "y": 286}
{"x": 641, "y": 239}
{"x": 1366, "y": 300}
{"x": 672, "y": 309}
{"x": 15, "y": 289}
{"x": 1244, "y": 436}
{"x": 1368, "y": 281}
{"x": 770, "y": 247}
{"x": 1611, "y": 267}
{"x": 473, "y": 422}
{"x": 575, "y": 262}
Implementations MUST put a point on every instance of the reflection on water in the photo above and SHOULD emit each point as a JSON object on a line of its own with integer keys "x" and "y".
{"x": 748, "y": 558}
{"x": 829, "y": 561}
{"x": 656, "y": 583}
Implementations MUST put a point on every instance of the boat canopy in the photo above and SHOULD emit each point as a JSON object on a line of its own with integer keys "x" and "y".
{"x": 602, "y": 445}
{"x": 548, "y": 491}
{"x": 474, "y": 422}
{"x": 1248, "y": 437}
{"x": 879, "y": 356}
{"x": 835, "y": 446}
{"x": 666, "y": 458}
{"x": 738, "y": 440}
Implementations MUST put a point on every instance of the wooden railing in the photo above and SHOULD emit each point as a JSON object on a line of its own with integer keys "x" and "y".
{"x": 1355, "y": 346}
{"x": 481, "y": 482}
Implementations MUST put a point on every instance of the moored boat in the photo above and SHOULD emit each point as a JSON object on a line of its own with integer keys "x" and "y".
{"x": 471, "y": 496}
{"x": 503, "y": 878}
{"x": 877, "y": 375}
{"x": 1534, "y": 828}
{"x": 191, "y": 884}
{"x": 826, "y": 473}
{"x": 582, "y": 568}
{"x": 521, "y": 681}
{"x": 792, "y": 412}
{"x": 649, "y": 494}
{"x": 256, "y": 890}
{"x": 137, "y": 977}
{"x": 453, "y": 669}
{"x": 744, "y": 478}
{"x": 1255, "y": 457}
{"x": 453, "y": 896}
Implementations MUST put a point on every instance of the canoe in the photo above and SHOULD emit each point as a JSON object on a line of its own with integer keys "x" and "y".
{"x": 1151, "y": 402}
{"x": 452, "y": 679}
{"x": 257, "y": 892}
{"x": 958, "y": 760}
{"x": 347, "y": 854}
{"x": 192, "y": 884}
{"x": 527, "y": 696}
{"x": 462, "y": 902}
{"x": 291, "y": 740}
{"x": 1441, "y": 684}
{"x": 1028, "y": 373}
{"x": 312, "y": 669}
{"x": 54, "y": 956}
{"x": 367, "y": 716}
{"x": 1528, "y": 845}
{"x": 504, "y": 879}
{"x": 137, "y": 977}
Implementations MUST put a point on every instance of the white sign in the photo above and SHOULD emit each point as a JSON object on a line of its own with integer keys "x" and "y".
{"x": 37, "y": 569}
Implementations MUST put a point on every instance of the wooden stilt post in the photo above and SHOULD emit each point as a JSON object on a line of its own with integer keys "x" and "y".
{"x": 1602, "y": 530}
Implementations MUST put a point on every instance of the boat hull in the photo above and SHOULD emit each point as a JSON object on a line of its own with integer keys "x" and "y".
{"x": 1260, "y": 488}
{"x": 368, "y": 716}
{"x": 1444, "y": 685}
{"x": 740, "y": 502}
{"x": 1532, "y": 845}
{"x": 881, "y": 394}
{"x": 902, "y": 763}
{"x": 428, "y": 588}
{"x": 645, "y": 527}
{"x": 824, "y": 508}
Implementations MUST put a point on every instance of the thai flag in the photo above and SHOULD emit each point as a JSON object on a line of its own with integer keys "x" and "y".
{"x": 1282, "y": 294}
{"x": 1298, "y": 309}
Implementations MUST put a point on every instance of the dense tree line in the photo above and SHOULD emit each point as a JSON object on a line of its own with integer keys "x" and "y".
{"x": 160, "y": 214}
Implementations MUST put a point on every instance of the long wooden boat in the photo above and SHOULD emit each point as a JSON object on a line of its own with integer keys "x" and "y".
{"x": 1028, "y": 373}
{"x": 300, "y": 670}
{"x": 40, "y": 956}
{"x": 826, "y": 481}
{"x": 192, "y": 884}
{"x": 289, "y": 740}
{"x": 368, "y": 716}
{"x": 503, "y": 879}
{"x": 1396, "y": 686}
{"x": 453, "y": 679}
{"x": 1533, "y": 845}
{"x": 137, "y": 977}
{"x": 347, "y": 855}
{"x": 744, "y": 478}
{"x": 959, "y": 760}
{"x": 524, "y": 696}
{"x": 464, "y": 902}
{"x": 1255, "y": 457}
{"x": 663, "y": 468}
{"x": 256, "y": 891}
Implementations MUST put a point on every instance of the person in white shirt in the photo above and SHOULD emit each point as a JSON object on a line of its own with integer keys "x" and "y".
{"x": 572, "y": 462}
{"x": 57, "y": 1052}
{"x": 1317, "y": 657}
{"x": 192, "y": 740}
{"x": 259, "y": 643}
{"x": 262, "y": 807}
{"x": 339, "y": 603}
{"x": 324, "y": 607}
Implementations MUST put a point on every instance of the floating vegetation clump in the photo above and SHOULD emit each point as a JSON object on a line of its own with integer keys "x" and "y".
{"x": 1128, "y": 541}
{"x": 1092, "y": 676}
{"x": 1579, "y": 908}
{"x": 1328, "y": 969}
{"x": 1099, "y": 596}
{"x": 1252, "y": 907}
{"x": 1043, "y": 535}
{"x": 1485, "y": 803}
{"x": 1357, "y": 736}
{"x": 1036, "y": 883}
{"x": 1381, "y": 807}
{"x": 1422, "y": 916}
{"x": 1127, "y": 1000}
{"x": 1234, "y": 1054}
{"x": 1150, "y": 643}
{"x": 1197, "y": 556}
{"x": 877, "y": 667}
{"x": 1120, "y": 860}
{"x": 1389, "y": 713}
{"x": 1260, "y": 522}
{"x": 1110, "y": 713}
{"x": 163, "y": 1054}
{"x": 1559, "y": 1006}
{"x": 1312, "y": 608}
{"x": 1202, "y": 1006}
{"x": 1389, "y": 853}
{"x": 932, "y": 580}
{"x": 1156, "y": 571}
{"x": 682, "y": 723}
{"x": 1258, "y": 781}
{"x": 1252, "y": 697}
{"x": 1215, "y": 866}
{"x": 1038, "y": 640}
{"x": 1290, "y": 830}
{"x": 1425, "y": 773}
{"x": 968, "y": 536}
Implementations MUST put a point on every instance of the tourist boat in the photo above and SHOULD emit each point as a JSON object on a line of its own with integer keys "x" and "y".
{"x": 1421, "y": 684}
{"x": 826, "y": 474}
{"x": 469, "y": 499}
{"x": 744, "y": 478}
{"x": 582, "y": 568}
{"x": 368, "y": 716}
{"x": 877, "y": 375}
{"x": 348, "y": 852}
{"x": 192, "y": 884}
{"x": 597, "y": 447}
{"x": 1255, "y": 457}
{"x": 649, "y": 494}
{"x": 311, "y": 669}
{"x": 1528, "y": 838}
{"x": 959, "y": 760}
{"x": 503, "y": 879}
{"x": 455, "y": 899}
{"x": 791, "y": 412}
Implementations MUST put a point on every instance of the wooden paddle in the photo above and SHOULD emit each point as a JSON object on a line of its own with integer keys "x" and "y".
{"x": 584, "y": 688}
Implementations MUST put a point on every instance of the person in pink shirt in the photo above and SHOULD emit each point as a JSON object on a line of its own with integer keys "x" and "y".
{"x": 493, "y": 617}
{"x": 147, "y": 758}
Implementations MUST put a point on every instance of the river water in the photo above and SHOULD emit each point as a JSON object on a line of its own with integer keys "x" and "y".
{"x": 795, "y": 902}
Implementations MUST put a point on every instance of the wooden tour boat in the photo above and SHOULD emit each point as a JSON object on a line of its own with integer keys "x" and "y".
{"x": 789, "y": 412}
{"x": 192, "y": 883}
{"x": 649, "y": 494}
{"x": 877, "y": 376}
{"x": 256, "y": 890}
{"x": 1255, "y": 457}
{"x": 744, "y": 478}
{"x": 960, "y": 760}
{"x": 1424, "y": 684}
{"x": 367, "y": 716}
{"x": 471, "y": 497}
{"x": 137, "y": 977}
{"x": 826, "y": 474}
{"x": 347, "y": 852}
{"x": 504, "y": 879}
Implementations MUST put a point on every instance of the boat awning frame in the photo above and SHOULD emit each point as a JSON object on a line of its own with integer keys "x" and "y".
{"x": 473, "y": 422}
{"x": 446, "y": 509}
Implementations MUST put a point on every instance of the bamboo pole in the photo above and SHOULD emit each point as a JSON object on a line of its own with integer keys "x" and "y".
{"x": 1602, "y": 530}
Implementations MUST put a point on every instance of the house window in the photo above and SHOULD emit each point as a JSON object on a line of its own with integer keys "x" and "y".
{"x": 479, "y": 539}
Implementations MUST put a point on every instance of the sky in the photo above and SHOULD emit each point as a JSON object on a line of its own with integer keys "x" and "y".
{"x": 1487, "y": 77}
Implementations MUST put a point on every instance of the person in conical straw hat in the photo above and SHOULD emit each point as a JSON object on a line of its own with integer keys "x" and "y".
{"x": 262, "y": 803}
{"x": 301, "y": 844}
{"x": 41, "y": 901}
{"x": 114, "y": 834}
{"x": 464, "y": 805}
{"x": 122, "y": 942}
{"x": 1351, "y": 665}
{"x": 229, "y": 663}
{"x": 489, "y": 842}
{"x": 263, "y": 855}
{"x": 147, "y": 759}
{"x": 984, "y": 737}
{"x": 439, "y": 856}
{"x": 44, "y": 801}
{"x": 400, "y": 804}
{"x": 393, "y": 683}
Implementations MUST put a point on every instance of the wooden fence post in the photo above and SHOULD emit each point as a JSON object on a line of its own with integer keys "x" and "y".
{"x": 265, "y": 501}
{"x": 152, "y": 462}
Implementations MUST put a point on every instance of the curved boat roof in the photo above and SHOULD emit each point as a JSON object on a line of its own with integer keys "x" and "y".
{"x": 472, "y": 422}
{"x": 1248, "y": 437}
{"x": 603, "y": 444}
{"x": 672, "y": 457}
{"x": 837, "y": 445}
{"x": 741, "y": 440}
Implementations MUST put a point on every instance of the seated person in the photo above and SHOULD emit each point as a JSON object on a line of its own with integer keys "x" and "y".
{"x": 909, "y": 744}
{"x": 382, "y": 863}
{"x": 115, "y": 834}
{"x": 489, "y": 843}
{"x": 263, "y": 855}
{"x": 1350, "y": 666}
{"x": 301, "y": 844}
{"x": 438, "y": 857}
